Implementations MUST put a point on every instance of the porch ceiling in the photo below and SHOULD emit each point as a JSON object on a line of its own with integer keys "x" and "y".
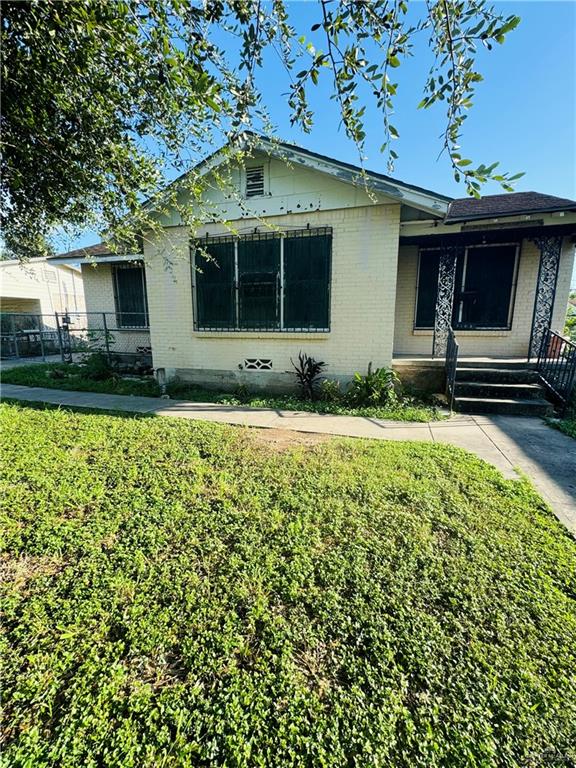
{"x": 494, "y": 234}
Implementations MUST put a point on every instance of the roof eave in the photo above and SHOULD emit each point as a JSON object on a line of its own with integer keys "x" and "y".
{"x": 420, "y": 198}
{"x": 108, "y": 258}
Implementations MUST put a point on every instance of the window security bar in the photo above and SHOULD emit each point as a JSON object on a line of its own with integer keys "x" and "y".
{"x": 263, "y": 281}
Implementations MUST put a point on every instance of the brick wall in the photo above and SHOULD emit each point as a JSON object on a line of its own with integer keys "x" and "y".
{"x": 99, "y": 288}
{"x": 364, "y": 256}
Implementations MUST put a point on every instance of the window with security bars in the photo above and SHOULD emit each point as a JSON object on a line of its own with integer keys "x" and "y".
{"x": 264, "y": 281}
{"x": 130, "y": 296}
{"x": 255, "y": 181}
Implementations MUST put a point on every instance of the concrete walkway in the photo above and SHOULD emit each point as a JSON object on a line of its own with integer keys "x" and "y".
{"x": 545, "y": 455}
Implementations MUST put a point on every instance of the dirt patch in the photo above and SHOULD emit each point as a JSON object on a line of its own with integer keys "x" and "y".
{"x": 282, "y": 439}
{"x": 20, "y": 571}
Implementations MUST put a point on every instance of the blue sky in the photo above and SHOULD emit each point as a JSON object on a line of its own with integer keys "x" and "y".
{"x": 524, "y": 113}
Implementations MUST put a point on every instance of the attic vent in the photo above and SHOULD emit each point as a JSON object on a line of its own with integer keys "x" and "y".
{"x": 49, "y": 277}
{"x": 255, "y": 181}
{"x": 257, "y": 364}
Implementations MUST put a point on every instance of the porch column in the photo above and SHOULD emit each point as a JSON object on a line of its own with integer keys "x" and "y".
{"x": 550, "y": 247}
{"x": 444, "y": 298}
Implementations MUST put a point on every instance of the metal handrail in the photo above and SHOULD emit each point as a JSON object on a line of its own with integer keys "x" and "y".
{"x": 556, "y": 365}
{"x": 451, "y": 366}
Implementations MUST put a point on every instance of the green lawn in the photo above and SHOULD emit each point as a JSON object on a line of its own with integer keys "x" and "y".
{"x": 180, "y": 594}
{"x": 72, "y": 377}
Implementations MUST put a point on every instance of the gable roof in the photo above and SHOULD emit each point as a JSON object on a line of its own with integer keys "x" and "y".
{"x": 409, "y": 194}
{"x": 509, "y": 204}
{"x": 355, "y": 169}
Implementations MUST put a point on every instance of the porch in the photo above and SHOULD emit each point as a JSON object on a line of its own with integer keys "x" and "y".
{"x": 498, "y": 289}
{"x": 492, "y": 293}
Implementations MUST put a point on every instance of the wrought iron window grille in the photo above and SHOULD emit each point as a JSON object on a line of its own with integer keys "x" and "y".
{"x": 258, "y": 282}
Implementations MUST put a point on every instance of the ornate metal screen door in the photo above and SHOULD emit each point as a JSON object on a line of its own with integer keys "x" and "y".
{"x": 445, "y": 299}
{"x": 550, "y": 250}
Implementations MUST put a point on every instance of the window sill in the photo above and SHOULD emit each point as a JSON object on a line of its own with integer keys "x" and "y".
{"x": 316, "y": 335}
{"x": 469, "y": 332}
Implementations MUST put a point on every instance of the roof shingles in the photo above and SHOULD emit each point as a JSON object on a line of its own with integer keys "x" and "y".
{"x": 510, "y": 204}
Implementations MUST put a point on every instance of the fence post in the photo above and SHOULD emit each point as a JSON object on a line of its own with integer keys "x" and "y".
{"x": 64, "y": 338}
{"x": 15, "y": 337}
{"x": 59, "y": 336}
{"x": 106, "y": 340}
{"x": 41, "y": 337}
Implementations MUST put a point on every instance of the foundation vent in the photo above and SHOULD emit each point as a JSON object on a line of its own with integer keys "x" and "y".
{"x": 257, "y": 364}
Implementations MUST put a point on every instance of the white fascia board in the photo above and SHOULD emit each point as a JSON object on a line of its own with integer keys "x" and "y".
{"x": 95, "y": 259}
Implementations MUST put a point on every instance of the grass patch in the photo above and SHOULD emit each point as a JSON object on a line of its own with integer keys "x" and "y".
{"x": 72, "y": 377}
{"x": 568, "y": 426}
{"x": 179, "y": 595}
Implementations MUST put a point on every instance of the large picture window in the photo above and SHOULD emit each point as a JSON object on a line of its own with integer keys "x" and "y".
{"x": 264, "y": 281}
{"x": 484, "y": 290}
{"x": 130, "y": 296}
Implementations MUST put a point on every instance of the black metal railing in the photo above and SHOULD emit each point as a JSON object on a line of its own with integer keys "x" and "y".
{"x": 125, "y": 335}
{"x": 451, "y": 366}
{"x": 556, "y": 366}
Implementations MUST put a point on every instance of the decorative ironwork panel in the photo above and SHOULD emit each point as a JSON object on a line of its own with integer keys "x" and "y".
{"x": 550, "y": 250}
{"x": 445, "y": 299}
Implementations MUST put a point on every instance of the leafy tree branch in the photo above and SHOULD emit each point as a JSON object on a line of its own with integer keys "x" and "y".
{"x": 103, "y": 101}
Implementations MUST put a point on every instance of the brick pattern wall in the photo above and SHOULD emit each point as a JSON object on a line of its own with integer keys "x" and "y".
{"x": 99, "y": 287}
{"x": 513, "y": 343}
{"x": 364, "y": 256}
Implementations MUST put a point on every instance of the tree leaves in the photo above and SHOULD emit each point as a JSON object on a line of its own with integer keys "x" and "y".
{"x": 103, "y": 100}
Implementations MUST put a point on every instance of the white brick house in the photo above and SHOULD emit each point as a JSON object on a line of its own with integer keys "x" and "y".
{"x": 348, "y": 269}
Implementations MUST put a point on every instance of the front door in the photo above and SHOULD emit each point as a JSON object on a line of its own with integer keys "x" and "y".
{"x": 485, "y": 281}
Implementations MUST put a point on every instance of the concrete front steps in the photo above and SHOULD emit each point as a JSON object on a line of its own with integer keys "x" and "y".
{"x": 508, "y": 387}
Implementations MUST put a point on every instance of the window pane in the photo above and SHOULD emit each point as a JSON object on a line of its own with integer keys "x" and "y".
{"x": 427, "y": 288}
{"x": 487, "y": 289}
{"x": 215, "y": 285}
{"x": 131, "y": 303}
{"x": 259, "y": 282}
{"x": 307, "y": 281}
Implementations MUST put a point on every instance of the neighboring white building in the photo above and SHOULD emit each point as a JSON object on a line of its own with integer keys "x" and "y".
{"x": 39, "y": 287}
{"x": 348, "y": 269}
